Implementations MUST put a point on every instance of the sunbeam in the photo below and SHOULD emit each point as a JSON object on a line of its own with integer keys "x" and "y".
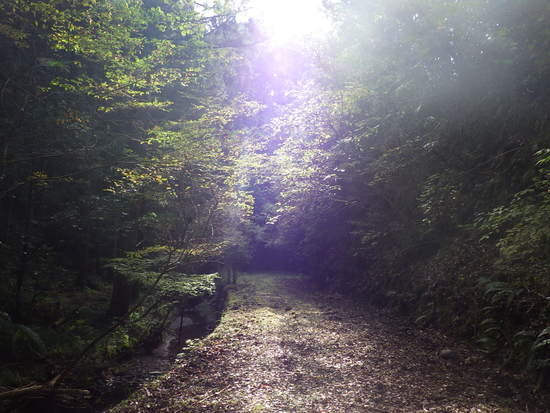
{"x": 285, "y": 21}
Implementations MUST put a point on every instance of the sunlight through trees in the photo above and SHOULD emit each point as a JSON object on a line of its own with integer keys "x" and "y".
{"x": 396, "y": 151}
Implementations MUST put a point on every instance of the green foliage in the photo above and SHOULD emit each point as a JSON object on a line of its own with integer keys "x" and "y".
{"x": 113, "y": 171}
{"x": 20, "y": 342}
{"x": 439, "y": 202}
{"x": 521, "y": 230}
{"x": 402, "y": 169}
{"x": 394, "y": 161}
{"x": 189, "y": 285}
{"x": 146, "y": 264}
{"x": 27, "y": 342}
{"x": 155, "y": 264}
{"x": 117, "y": 344}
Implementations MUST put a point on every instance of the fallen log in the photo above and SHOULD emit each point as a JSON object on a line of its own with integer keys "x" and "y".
{"x": 61, "y": 396}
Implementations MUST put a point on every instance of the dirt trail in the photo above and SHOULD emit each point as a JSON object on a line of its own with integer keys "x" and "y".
{"x": 280, "y": 348}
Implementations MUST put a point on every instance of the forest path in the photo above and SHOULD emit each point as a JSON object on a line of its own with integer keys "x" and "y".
{"x": 281, "y": 348}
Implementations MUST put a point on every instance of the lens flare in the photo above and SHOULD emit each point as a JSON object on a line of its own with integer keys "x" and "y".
{"x": 286, "y": 21}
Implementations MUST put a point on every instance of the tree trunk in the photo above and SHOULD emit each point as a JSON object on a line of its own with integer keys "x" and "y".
{"x": 21, "y": 272}
{"x": 121, "y": 296}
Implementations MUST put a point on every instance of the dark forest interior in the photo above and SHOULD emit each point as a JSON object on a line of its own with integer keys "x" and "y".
{"x": 398, "y": 155}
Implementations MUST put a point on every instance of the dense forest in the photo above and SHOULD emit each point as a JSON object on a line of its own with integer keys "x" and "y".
{"x": 150, "y": 149}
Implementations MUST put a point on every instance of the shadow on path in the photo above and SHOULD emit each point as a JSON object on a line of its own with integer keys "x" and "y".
{"x": 281, "y": 348}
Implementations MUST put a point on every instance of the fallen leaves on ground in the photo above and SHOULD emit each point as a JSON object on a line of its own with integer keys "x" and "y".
{"x": 281, "y": 348}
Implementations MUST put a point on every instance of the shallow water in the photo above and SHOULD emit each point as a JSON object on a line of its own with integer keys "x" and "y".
{"x": 193, "y": 324}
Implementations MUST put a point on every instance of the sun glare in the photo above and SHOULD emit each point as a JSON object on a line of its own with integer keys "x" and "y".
{"x": 284, "y": 21}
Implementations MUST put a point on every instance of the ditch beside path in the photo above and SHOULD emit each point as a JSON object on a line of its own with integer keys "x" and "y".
{"x": 281, "y": 348}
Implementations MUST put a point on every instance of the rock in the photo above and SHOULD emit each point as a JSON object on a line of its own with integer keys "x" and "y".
{"x": 448, "y": 354}
{"x": 473, "y": 360}
{"x": 380, "y": 387}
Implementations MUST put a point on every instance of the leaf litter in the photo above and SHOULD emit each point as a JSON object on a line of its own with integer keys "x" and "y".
{"x": 280, "y": 347}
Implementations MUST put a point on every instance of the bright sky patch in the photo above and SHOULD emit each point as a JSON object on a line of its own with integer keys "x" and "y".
{"x": 284, "y": 21}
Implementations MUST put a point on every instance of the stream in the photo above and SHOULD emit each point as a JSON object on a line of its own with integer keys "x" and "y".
{"x": 118, "y": 383}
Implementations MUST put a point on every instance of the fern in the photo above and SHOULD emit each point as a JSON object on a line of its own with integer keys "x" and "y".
{"x": 26, "y": 342}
